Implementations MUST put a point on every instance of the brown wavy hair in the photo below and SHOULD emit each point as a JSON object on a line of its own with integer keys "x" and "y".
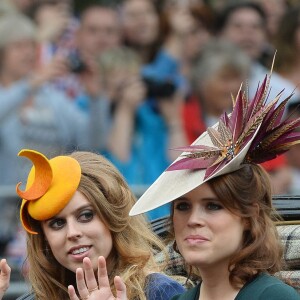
{"x": 247, "y": 193}
{"x": 134, "y": 243}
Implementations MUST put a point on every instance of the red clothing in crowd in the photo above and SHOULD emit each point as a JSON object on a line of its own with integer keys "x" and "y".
{"x": 192, "y": 119}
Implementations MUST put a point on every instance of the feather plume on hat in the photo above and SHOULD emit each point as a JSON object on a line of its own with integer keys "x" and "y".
{"x": 253, "y": 133}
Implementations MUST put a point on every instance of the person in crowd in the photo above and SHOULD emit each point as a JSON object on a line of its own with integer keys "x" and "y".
{"x": 75, "y": 208}
{"x": 58, "y": 37}
{"x": 274, "y": 10}
{"x": 33, "y": 113}
{"x": 158, "y": 39}
{"x": 222, "y": 215}
{"x": 287, "y": 43}
{"x": 292, "y": 157}
{"x": 51, "y": 34}
{"x": 81, "y": 40}
{"x": 16, "y": 6}
{"x": 138, "y": 122}
{"x": 142, "y": 28}
{"x": 244, "y": 24}
{"x": 100, "y": 29}
{"x": 5, "y": 271}
{"x": 215, "y": 76}
{"x": 197, "y": 22}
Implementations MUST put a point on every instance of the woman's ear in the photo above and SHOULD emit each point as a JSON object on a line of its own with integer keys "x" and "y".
{"x": 256, "y": 209}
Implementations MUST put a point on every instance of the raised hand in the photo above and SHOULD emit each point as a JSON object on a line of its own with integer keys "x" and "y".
{"x": 91, "y": 77}
{"x": 5, "y": 271}
{"x": 49, "y": 30}
{"x": 56, "y": 68}
{"x": 88, "y": 288}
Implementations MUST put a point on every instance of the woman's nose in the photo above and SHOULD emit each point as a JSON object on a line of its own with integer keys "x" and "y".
{"x": 196, "y": 218}
{"x": 73, "y": 230}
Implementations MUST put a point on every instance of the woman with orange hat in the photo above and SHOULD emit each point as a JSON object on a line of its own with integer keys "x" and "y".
{"x": 222, "y": 216}
{"x": 75, "y": 208}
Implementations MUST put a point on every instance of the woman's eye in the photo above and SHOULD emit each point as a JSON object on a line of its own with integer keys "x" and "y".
{"x": 214, "y": 206}
{"x": 182, "y": 206}
{"x": 86, "y": 216}
{"x": 56, "y": 223}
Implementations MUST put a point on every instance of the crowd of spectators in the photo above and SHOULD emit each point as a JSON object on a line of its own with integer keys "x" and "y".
{"x": 134, "y": 79}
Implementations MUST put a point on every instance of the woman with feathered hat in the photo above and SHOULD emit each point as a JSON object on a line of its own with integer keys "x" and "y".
{"x": 222, "y": 216}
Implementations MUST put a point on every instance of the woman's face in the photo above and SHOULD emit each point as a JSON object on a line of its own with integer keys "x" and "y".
{"x": 195, "y": 40}
{"x": 245, "y": 28}
{"x": 207, "y": 234}
{"x": 77, "y": 232}
{"x": 140, "y": 22}
{"x": 19, "y": 58}
{"x": 217, "y": 90}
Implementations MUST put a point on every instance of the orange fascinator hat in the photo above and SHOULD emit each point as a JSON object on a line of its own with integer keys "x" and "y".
{"x": 50, "y": 186}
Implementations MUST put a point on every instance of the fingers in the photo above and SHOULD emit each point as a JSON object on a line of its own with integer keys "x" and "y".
{"x": 5, "y": 271}
{"x": 89, "y": 275}
{"x": 120, "y": 288}
{"x": 72, "y": 293}
{"x": 5, "y": 268}
{"x": 81, "y": 285}
{"x": 87, "y": 285}
{"x": 102, "y": 273}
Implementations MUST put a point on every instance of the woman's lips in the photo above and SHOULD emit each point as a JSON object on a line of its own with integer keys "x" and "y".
{"x": 196, "y": 239}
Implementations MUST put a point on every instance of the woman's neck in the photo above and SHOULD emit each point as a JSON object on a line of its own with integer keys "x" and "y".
{"x": 216, "y": 285}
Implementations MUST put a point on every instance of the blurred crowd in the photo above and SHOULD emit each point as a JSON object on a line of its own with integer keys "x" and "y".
{"x": 134, "y": 79}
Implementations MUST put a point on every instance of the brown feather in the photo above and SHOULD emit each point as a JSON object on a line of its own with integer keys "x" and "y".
{"x": 278, "y": 133}
{"x": 224, "y": 132}
{"x": 215, "y": 137}
{"x": 280, "y": 108}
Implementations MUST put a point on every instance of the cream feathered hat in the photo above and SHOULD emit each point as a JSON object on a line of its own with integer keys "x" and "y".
{"x": 253, "y": 133}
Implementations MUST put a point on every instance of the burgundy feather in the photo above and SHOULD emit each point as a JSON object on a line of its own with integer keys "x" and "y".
{"x": 236, "y": 118}
{"x": 214, "y": 168}
{"x": 258, "y": 99}
{"x": 225, "y": 119}
{"x": 195, "y": 148}
{"x": 286, "y": 138}
{"x": 191, "y": 164}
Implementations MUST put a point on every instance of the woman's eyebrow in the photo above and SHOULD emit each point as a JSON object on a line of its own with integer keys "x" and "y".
{"x": 211, "y": 199}
{"x": 73, "y": 212}
{"x": 83, "y": 207}
{"x": 181, "y": 198}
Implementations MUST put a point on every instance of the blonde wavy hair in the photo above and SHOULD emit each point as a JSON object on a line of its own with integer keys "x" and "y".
{"x": 134, "y": 244}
